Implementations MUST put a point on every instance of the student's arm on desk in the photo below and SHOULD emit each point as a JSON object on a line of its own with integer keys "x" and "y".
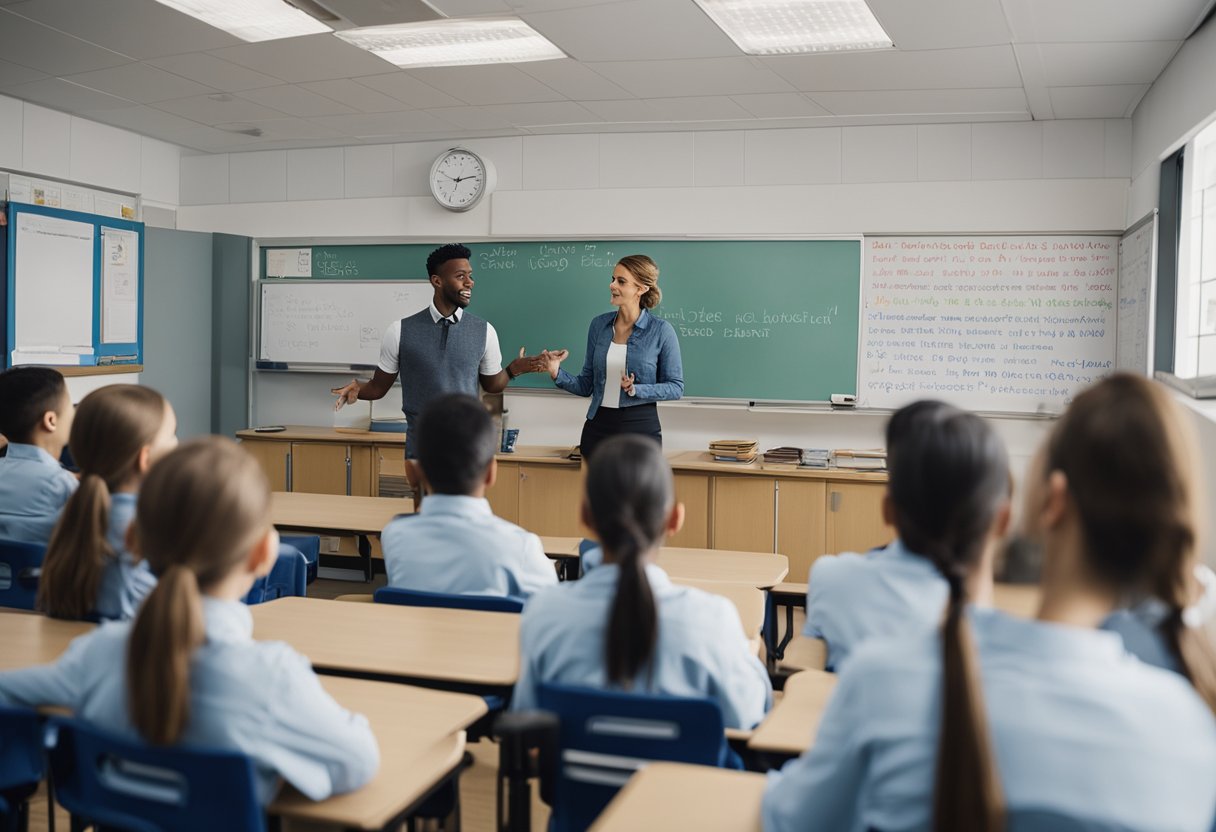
{"x": 58, "y": 684}
{"x": 822, "y": 788}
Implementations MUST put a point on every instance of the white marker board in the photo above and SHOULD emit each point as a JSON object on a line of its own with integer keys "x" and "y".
{"x": 1137, "y": 268}
{"x": 336, "y": 323}
{"x": 999, "y": 324}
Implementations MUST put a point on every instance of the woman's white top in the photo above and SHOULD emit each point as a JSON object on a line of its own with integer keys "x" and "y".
{"x": 615, "y": 369}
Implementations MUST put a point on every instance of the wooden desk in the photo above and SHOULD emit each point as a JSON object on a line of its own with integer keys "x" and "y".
{"x": 451, "y": 649}
{"x": 27, "y": 640}
{"x": 680, "y": 796}
{"x": 421, "y": 737}
{"x": 561, "y": 547}
{"x": 363, "y": 517}
{"x": 789, "y": 729}
{"x": 758, "y": 569}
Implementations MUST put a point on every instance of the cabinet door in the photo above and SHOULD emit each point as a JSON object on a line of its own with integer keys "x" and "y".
{"x": 744, "y": 513}
{"x": 504, "y": 494}
{"x": 273, "y": 457}
{"x": 801, "y": 524}
{"x": 361, "y": 469}
{"x": 321, "y": 468}
{"x": 854, "y": 511}
{"x": 693, "y": 491}
{"x": 549, "y": 500}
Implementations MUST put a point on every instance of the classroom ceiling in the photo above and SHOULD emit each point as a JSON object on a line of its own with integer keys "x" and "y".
{"x": 633, "y": 65}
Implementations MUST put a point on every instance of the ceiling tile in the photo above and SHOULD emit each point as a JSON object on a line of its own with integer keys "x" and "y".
{"x": 382, "y": 124}
{"x": 637, "y": 30}
{"x": 140, "y": 82}
{"x": 296, "y": 101}
{"x": 779, "y": 105}
{"x": 31, "y": 44}
{"x": 146, "y": 120}
{"x": 697, "y": 108}
{"x": 408, "y": 90}
{"x": 1086, "y": 64}
{"x": 573, "y": 80}
{"x": 470, "y": 118}
{"x": 220, "y": 108}
{"x": 353, "y": 94}
{"x": 311, "y": 58}
{"x": 550, "y": 112}
{"x": 987, "y": 66}
{"x": 920, "y": 25}
{"x": 277, "y": 129}
{"x": 469, "y": 8}
{"x": 138, "y": 28}
{"x": 525, "y": 6}
{"x": 624, "y": 110}
{"x": 704, "y": 76}
{"x": 497, "y": 84}
{"x": 292, "y": 144}
{"x": 925, "y": 102}
{"x": 16, "y": 74}
{"x": 1096, "y": 102}
{"x": 1082, "y": 21}
{"x": 62, "y": 95}
{"x": 209, "y": 70}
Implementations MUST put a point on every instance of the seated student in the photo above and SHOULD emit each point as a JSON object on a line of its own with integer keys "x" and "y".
{"x": 896, "y": 589}
{"x": 625, "y": 625}
{"x": 1144, "y": 626}
{"x": 36, "y": 418}
{"x": 187, "y": 669}
{"x": 997, "y": 721}
{"x": 118, "y": 432}
{"x": 456, "y": 545}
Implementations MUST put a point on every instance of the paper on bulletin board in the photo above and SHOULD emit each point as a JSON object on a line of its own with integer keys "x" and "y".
{"x": 289, "y": 262}
{"x": 53, "y": 299}
{"x": 119, "y": 286}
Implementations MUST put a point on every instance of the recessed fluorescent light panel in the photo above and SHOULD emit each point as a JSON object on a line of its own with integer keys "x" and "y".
{"x": 251, "y": 20}
{"x": 455, "y": 42}
{"x": 792, "y": 27}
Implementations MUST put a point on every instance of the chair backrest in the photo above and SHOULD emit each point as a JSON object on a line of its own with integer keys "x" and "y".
{"x": 20, "y": 569}
{"x": 21, "y": 750}
{"x": 112, "y": 781}
{"x": 310, "y": 546}
{"x": 287, "y": 578}
{"x": 1046, "y": 820}
{"x": 605, "y": 736}
{"x": 414, "y": 598}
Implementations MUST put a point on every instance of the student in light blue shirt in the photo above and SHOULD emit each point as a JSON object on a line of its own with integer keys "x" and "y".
{"x": 625, "y": 625}
{"x": 36, "y": 418}
{"x": 999, "y": 722}
{"x": 186, "y": 669}
{"x": 119, "y": 431}
{"x": 456, "y": 545}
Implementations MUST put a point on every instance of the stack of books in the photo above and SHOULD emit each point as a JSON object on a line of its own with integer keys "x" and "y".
{"x": 734, "y": 450}
{"x": 867, "y": 460}
{"x": 785, "y": 455}
{"x": 816, "y": 458}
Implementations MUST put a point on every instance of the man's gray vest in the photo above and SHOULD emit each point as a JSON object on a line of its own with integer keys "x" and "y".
{"x": 437, "y": 358}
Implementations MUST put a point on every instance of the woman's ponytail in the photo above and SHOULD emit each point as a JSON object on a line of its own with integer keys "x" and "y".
{"x": 77, "y": 552}
{"x": 165, "y": 635}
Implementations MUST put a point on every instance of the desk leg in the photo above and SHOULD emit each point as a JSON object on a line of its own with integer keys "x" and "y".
{"x": 365, "y": 552}
{"x": 770, "y": 631}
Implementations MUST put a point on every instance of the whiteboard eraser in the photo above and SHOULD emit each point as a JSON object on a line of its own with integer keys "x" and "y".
{"x": 844, "y": 400}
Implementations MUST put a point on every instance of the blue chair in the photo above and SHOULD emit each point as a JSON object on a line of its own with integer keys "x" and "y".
{"x": 110, "y": 781}
{"x": 310, "y": 546}
{"x": 20, "y": 568}
{"x": 1046, "y": 820}
{"x": 22, "y": 764}
{"x": 414, "y": 598}
{"x": 287, "y": 578}
{"x": 605, "y": 736}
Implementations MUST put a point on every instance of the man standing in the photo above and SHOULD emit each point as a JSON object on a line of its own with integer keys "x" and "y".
{"x": 442, "y": 349}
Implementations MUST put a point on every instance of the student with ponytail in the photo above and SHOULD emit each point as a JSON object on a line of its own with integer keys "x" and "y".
{"x": 1001, "y": 723}
{"x": 625, "y": 625}
{"x": 119, "y": 431}
{"x": 187, "y": 669}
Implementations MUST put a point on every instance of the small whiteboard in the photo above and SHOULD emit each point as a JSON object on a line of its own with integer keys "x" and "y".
{"x": 1014, "y": 324}
{"x": 333, "y": 322}
{"x": 1137, "y": 269}
{"x": 53, "y": 287}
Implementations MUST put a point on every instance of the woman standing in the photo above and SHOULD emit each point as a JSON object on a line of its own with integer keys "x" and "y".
{"x": 632, "y": 360}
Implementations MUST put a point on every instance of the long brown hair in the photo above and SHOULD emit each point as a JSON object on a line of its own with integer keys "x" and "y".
{"x": 630, "y": 495}
{"x": 201, "y": 510}
{"x": 1128, "y": 456}
{"x": 113, "y": 424}
{"x": 949, "y": 479}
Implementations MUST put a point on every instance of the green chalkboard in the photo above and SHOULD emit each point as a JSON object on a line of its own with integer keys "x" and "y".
{"x": 761, "y": 320}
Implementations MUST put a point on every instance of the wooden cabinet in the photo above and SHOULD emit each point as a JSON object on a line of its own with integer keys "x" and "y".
{"x": 854, "y": 517}
{"x": 744, "y": 515}
{"x": 549, "y": 500}
{"x": 275, "y": 459}
{"x": 331, "y": 468}
{"x": 693, "y": 491}
{"x": 801, "y": 509}
{"x": 504, "y": 494}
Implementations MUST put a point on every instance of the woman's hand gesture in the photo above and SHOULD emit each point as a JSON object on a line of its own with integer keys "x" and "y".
{"x": 553, "y": 360}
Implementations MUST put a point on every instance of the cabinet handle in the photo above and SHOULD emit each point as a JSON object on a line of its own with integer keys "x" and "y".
{"x": 835, "y": 501}
{"x": 287, "y": 459}
{"x": 776, "y": 512}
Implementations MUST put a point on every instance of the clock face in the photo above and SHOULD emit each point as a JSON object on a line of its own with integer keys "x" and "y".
{"x": 458, "y": 179}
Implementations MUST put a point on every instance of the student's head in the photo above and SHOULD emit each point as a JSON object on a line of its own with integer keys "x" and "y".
{"x": 636, "y": 280}
{"x": 1114, "y": 499}
{"x": 456, "y": 445}
{"x": 118, "y": 432}
{"x": 948, "y": 495}
{"x": 35, "y": 408}
{"x": 451, "y": 274}
{"x": 203, "y": 525}
{"x": 630, "y": 505}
